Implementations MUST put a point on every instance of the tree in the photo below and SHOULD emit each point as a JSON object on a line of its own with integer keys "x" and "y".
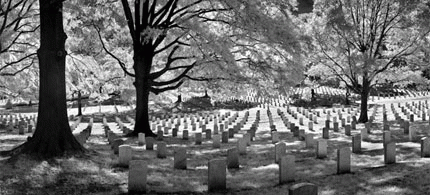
{"x": 206, "y": 40}
{"x": 17, "y": 25}
{"x": 84, "y": 75}
{"x": 358, "y": 41}
{"x": 53, "y": 135}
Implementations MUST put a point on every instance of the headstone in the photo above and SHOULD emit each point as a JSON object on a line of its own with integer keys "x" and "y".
{"x": 198, "y": 137}
{"x": 185, "y": 134}
{"x": 325, "y": 134}
{"x": 302, "y": 134}
{"x": 161, "y": 150}
{"x": 287, "y": 169}
{"x": 217, "y": 175}
{"x": 356, "y": 143}
{"x": 412, "y": 135}
{"x": 321, "y": 148}
{"x": 125, "y": 154}
{"x": 367, "y": 127}
{"x": 215, "y": 129}
{"x": 180, "y": 158}
{"x": 406, "y": 127}
{"x": 208, "y": 134}
{"x": 174, "y": 132}
{"x": 232, "y": 158}
{"x": 137, "y": 176}
{"x": 311, "y": 126}
{"x": 425, "y": 147}
{"x": 231, "y": 133}
{"x": 216, "y": 141}
{"x": 224, "y": 138}
{"x": 364, "y": 134}
{"x": 348, "y": 130}
{"x": 309, "y": 139}
{"x": 30, "y": 128}
{"x": 336, "y": 127}
{"x": 241, "y": 146}
{"x": 115, "y": 145}
{"x": 343, "y": 160}
{"x": 386, "y": 137}
{"x": 390, "y": 153}
{"x": 280, "y": 151}
{"x": 275, "y": 137}
{"x": 150, "y": 143}
{"x": 303, "y": 189}
{"x": 327, "y": 124}
{"x": 160, "y": 135}
{"x": 141, "y": 139}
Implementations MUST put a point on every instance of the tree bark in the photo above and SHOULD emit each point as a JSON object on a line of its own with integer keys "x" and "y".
{"x": 79, "y": 103}
{"x": 142, "y": 85}
{"x": 364, "y": 97}
{"x": 53, "y": 136}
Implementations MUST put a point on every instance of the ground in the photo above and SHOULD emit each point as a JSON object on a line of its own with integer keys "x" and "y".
{"x": 98, "y": 173}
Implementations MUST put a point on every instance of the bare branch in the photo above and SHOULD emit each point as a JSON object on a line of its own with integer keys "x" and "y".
{"x": 161, "y": 90}
{"x": 121, "y": 64}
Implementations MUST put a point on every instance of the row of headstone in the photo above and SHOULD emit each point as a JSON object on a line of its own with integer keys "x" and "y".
{"x": 83, "y": 136}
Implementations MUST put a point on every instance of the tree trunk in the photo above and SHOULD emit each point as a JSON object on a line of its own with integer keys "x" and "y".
{"x": 79, "y": 103}
{"x": 142, "y": 68}
{"x": 53, "y": 136}
{"x": 364, "y": 97}
{"x": 142, "y": 117}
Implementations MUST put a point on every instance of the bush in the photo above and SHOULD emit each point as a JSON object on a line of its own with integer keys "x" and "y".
{"x": 321, "y": 100}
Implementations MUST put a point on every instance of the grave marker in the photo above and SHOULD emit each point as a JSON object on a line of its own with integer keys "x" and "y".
{"x": 343, "y": 160}
{"x": 216, "y": 141}
{"x": 232, "y": 158}
{"x": 309, "y": 139}
{"x": 390, "y": 153}
{"x": 141, "y": 139}
{"x": 321, "y": 148}
{"x": 217, "y": 175}
{"x": 241, "y": 146}
{"x": 356, "y": 143}
{"x": 280, "y": 151}
{"x": 150, "y": 143}
{"x": 348, "y": 130}
{"x": 125, "y": 154}
{"x": 286, "y": 169}
{"x": 325, "y": 133}
{"x": 137, "y": 176}
{"x": 198, "y": 137}
{"x": 161, "y": 150}
{"x": 425, "y": 147}
{"x": 180, "y": 158}
{"x": 303, "y": 189}
{"x": 275, "y": 137}
{"x": 185, "y": 134}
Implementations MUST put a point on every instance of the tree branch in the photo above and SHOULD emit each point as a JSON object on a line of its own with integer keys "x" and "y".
{"x": 121, "y": 64}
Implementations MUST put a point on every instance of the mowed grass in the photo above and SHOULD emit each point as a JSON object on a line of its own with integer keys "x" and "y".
{"x": 97, "y": 172}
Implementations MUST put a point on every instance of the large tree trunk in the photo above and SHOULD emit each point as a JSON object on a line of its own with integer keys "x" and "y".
{"x": 142, "y": 117}
{"x": 142, "y": 66}
{"x": 364, "y": 97}
{"x": 53, "y": 136}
